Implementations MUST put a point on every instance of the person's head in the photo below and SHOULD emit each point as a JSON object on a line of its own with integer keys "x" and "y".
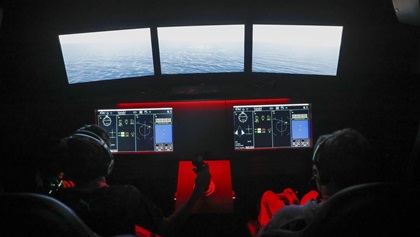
{"x": 342, "y": 159}
{"x": 97, "y": 131}
{"x": 85, "y": 155}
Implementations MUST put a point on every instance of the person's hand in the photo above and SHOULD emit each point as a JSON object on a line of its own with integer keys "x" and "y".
{"x": 288, "y": 197}
{"x": 202, "y": 180}
{"x": 68, "y": 184}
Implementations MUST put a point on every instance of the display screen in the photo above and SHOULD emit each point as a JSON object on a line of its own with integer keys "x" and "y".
{"x": 296, "y": 49}
{"x": 107, "y": 55}
{"x": 202, "y": 49}
{"x": 138, "y": 130}
{"x": 272, "y": 126}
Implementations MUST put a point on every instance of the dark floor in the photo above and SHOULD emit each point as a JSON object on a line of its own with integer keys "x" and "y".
{"x": 215, "y": 225}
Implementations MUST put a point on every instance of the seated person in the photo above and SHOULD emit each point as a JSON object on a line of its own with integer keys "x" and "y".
{"x": 341, "y": 159}
{"x": 85, "y": 159}
{"x": 50, "y": 178}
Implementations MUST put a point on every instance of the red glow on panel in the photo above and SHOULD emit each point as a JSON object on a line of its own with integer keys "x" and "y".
{"x": 142, "y": 232}
{"x": 203, "y": 104}
{"x": 220, "y": 199}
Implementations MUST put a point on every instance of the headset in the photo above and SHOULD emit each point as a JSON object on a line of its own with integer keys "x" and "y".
{"x": 97, "y": 135}
{"x": 97, "y": 132}
{"x": 315, "y": 161}
{"x": 107, "y": 165}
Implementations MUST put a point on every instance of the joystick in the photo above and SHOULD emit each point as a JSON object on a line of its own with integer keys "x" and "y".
{"x": 198, "y": 162}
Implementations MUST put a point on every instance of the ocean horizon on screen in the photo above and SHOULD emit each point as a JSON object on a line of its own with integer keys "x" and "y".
{"x": 196, "y": 58}
{"x": 296, "y": 49}
{"x": 202, "y": 49}
{"x": 279, "y": 58}
{"x": 107, "y": 55}
{"x": 89, "y": 63}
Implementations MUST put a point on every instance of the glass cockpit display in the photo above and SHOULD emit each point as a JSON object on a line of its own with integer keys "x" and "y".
{"x": 272, "y": 126}
{"x": 138, "y": 130}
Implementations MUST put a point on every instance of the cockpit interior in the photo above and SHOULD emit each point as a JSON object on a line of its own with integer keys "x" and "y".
{"x": 250, "y": 85}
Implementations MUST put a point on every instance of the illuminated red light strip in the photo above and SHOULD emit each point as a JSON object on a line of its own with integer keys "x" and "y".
{"x": 204, "y": 103}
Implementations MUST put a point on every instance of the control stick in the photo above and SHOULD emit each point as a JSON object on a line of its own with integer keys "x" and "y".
{"x": 198, "y": 161}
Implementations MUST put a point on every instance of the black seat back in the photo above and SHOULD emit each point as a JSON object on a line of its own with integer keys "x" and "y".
{"x": 31, "y": 214}
{"x": 373, "y": 209}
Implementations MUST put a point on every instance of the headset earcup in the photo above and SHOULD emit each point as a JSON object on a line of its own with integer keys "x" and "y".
{"x": 323, "y": 177}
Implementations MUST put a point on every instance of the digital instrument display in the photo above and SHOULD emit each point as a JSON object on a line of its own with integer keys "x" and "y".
{"x": 138, "y": 130}
{"x": 272, "y": 126}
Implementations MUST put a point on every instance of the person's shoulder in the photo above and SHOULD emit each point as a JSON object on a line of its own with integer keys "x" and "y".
{"x": 290, "y": 217}
{"x": 123, "y": 194}
{"x": 290, "y": 211}
{"x": 122, "y": 189}
{"x": 310, "y": 209}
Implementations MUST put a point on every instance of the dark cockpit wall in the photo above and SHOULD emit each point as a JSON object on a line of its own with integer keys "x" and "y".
{"x": 408, "y": 13}
{"x": 375, "y": 90}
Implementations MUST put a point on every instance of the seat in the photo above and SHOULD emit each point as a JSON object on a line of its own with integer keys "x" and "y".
{"x": 32, "y": 214}
{"x": 373, "y": 209}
